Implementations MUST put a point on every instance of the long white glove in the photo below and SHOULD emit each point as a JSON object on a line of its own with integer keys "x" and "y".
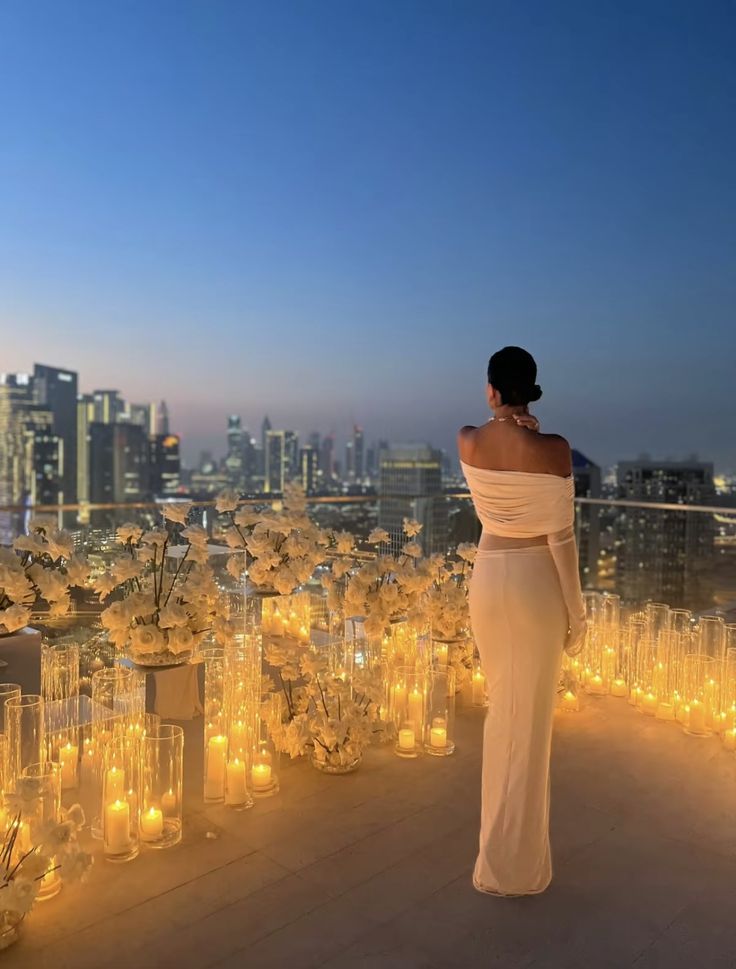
{"x": 564, "y": 550}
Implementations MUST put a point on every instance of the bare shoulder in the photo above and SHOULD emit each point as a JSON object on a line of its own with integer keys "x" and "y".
{"x": 557, "y": 453}
{"x": 466, "y": 440}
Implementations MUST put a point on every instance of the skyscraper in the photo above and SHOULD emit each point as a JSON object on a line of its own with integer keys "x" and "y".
{"x": 327, "y": 457}
{"x": 275, "y": 460}
{"x": 109, "y": 406}
{"x": 308, "y": 468}
{"x": 358, "y": 453}
{"x": 234, "y": 458}
{"x": 411, "y": 487}
{"x": 119, "y": 463}
{"x": 665, "y": 555}
{"x": 164, "y": 464}
{"x": 587, "y": 476}
{"x": 162, "y": 421}
{"x": 56, "y": 390}
{"x": 146, "y": 415}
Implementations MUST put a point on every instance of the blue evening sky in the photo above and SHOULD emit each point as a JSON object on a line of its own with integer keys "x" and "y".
{"x": 335, "y": 211}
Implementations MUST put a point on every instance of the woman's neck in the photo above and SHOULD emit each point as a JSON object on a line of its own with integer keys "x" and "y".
{"x": 510, "y": 410}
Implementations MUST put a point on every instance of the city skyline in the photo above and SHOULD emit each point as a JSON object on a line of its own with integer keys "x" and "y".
{"x": 346, "y": 215}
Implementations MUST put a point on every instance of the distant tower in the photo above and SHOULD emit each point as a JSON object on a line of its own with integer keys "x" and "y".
{"x": 358, "y": 453}
{"x": 163, "y": 418}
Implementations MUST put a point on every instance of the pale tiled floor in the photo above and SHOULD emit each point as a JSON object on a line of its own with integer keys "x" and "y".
{"x": 373, "y": 870}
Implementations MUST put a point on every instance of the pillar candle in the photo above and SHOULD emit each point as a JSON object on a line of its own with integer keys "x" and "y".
{"x": 68, "y": 756}
{"x": 441, "y": 654}
{"x": 729, "y": 739}
{"x": 214, "y": 782}
{"x": 618, "y": 687}
{"x": 438, "y": 737}
{"x": 237, "y": 792}
{"x": 152, "y": 824}
{"x": 117, "y": 827}
{"x": 649, "y": 704}
{"x": 407, "y": 739}
{"x": 416, "y": 707}
{"x": 115, "y": 784}
{"x": 570, "y": 702}
{"x": 696, "y": 717}
{"x": 479, "y": 688}
{"x": 260, "y": 775}
{"x": 665, "y": 711}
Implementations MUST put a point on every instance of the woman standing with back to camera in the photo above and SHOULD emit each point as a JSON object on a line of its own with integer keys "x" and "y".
{"x": 526, "y": 605}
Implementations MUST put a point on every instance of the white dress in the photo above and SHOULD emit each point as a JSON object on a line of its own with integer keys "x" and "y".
{"x": 521, "y": 601}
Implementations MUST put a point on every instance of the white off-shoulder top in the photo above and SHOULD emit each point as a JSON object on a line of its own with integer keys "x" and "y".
{"x": 521, "y": 504}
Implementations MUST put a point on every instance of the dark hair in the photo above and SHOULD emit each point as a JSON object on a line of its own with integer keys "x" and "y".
{"x": 513, "y": 372}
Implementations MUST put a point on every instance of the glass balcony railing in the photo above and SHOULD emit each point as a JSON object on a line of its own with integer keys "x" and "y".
{"x": 684, "y": 555}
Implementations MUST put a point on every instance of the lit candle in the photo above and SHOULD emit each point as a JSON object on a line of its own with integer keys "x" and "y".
{"x": 399, "y": 697}
{"x": 214, "y": 782}
{"x": 438, "y": 733}
{"x": 237, "y": 792}
{"x": 115, "y": 784}
{"x": 152, "y": 824}
{"x": 168, "y": 802}
{"x": 635, "y": 696}
{"x": 696, "y": 717}
{"x": 68, "y": 756}
{"x": 596, "y": 684}
{"x": 729, "y": 739}
{"x": 416, "y": 706}
{"x": 238, "y": 737}
{"x": 665, "y": 711}
{"x": 618, "y": 687}
{"x": 441, "y": 654}
{"x": 649, "y": 704}
{"x": 407, "y": 739}
{"x": 260, "y": 776}
{"x": 479, "y": 688}
{"x": 117, "y": 827}
{"x": 570, "y": 702}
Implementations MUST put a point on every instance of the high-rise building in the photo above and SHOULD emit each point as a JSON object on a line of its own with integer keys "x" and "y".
{"x": 327, "y": 457}
{"x": 31, "y": 454}
{"x": 146, "y": 415}
{"x": 119, "y": 463}
{"x": 308, "y": 468}
{"x": 109, "y": 406}
{"x": 164, "y": 464}
{"x": 358, "y": 453}
{"x": 85, "y": 417}
{"x": 275, "y": 458}
{"x": 587, "y": 477}
{"x": 350, "y": 461}
{"x": 411, "y": 487}
{"x": 665, "y": 555}
{"x": 291, "y": 455}
{"x": 234, "y": 458}
{"x": 56, "y": 390}
{"x": 162, "y": 419}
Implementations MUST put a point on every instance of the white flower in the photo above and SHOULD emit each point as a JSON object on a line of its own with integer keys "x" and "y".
{"x": 147, "y": 639}
{"x": 176, "y": 511}
{"x": 235, "y": 566}
{"x": 76, "y": 865}
{"x": 181, "y": 639}
{"x": 104, "y": 584}
{"x": 156, "y": 536}
{"x": 344, "y": 542}
{"x": 195, "y": 535}
{"x": 60, "y": 545}
{"x": 14, "y": 617}
{"x": 173, "y": 615}
{"x": 467, "y": 551}
{"x": 125, "y": 568}
{"x": 20, "y": 895}
{"x": 129, "y": 532}
{"x": 246, "y": 518}
{"x": 412, "y": 527}
{"x": 116, "y": 616}
{"x": 226, "y": 501}
{"x": 233, "y": 538}
{"x": 412, "y": 549}
{"x": 379, "y": 536}
{"x": 77, "y": 570}
{"x": 75, "y": 814}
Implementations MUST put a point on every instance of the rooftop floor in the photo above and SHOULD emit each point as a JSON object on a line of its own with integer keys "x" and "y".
{"x": 373, "y": 869}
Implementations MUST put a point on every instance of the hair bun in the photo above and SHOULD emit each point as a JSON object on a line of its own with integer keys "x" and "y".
{"x": 535, "y": 393}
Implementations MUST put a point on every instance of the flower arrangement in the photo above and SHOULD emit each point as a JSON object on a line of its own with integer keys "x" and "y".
{"x": 156, "y": 610}
{"x": 385, "y": 588}
{"x": 23, "y": 867}
{"x": 446, "y": 600}
{"x": 41, "y": 565}
{"x": 282, "y": 546}
{"x": 335, "y": 719}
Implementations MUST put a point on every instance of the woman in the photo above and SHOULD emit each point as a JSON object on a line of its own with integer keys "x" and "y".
{"x": 526, "y": 605}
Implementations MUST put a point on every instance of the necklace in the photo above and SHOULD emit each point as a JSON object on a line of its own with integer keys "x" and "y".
{"x": 500, "y": 420}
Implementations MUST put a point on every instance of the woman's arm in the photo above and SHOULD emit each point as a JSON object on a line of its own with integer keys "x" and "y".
{"x": 564, "y": 551}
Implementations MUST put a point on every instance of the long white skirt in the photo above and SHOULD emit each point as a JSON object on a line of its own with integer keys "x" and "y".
{"x": 519, "y": 622}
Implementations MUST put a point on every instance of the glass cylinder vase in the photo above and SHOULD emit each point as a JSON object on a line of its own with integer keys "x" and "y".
{"x": 162, "y": 770}
{"x": 43, "y": 782}
{"x": 439, "y": 716}
{"x": 407, "y": 699}
{"x": 698, "y": 673}
{"x": 120, "y": 800}
{"x": 264, "y": 769}
{"x": 26, "y": 733}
